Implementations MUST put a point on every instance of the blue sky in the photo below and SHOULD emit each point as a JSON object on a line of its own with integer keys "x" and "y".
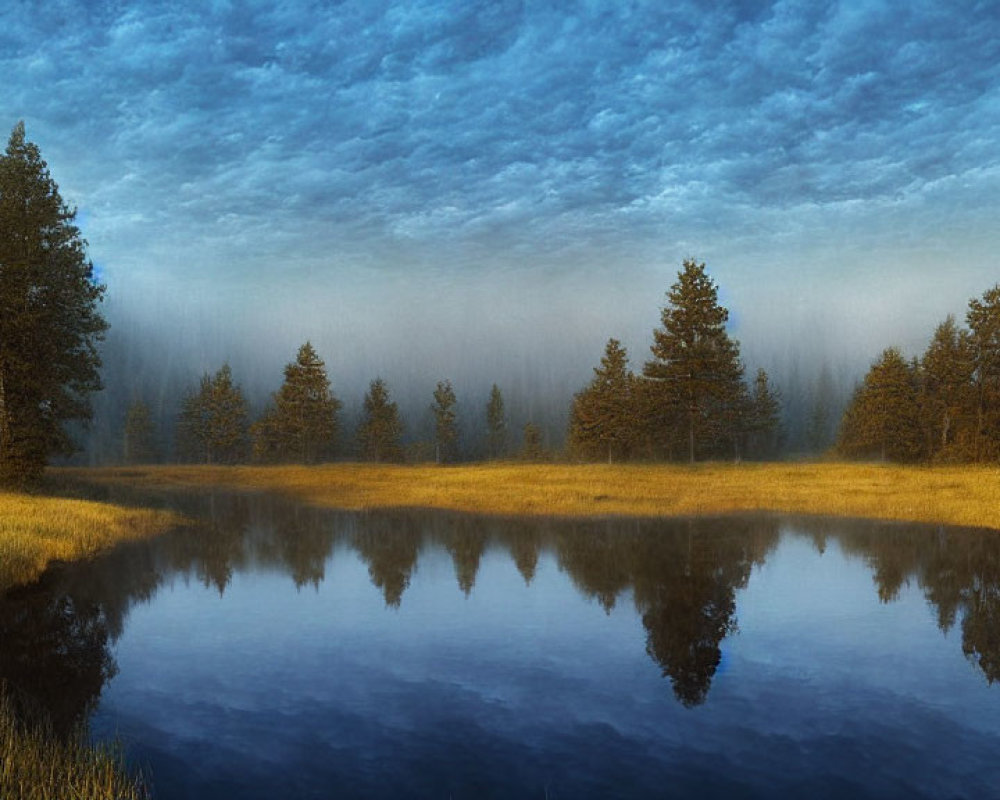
{"x": 481, "y": 169}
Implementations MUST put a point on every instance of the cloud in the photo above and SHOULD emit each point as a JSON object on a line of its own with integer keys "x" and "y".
{"x": 242, "y": 145}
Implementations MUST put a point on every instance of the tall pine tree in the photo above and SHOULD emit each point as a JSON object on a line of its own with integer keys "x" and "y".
{"x": 695, "y": 380}
{"x": 49, "y": 320}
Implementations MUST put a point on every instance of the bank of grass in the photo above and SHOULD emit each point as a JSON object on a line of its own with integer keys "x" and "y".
{"x": 35, "y": 530}
{"x": 36, "y": 765}
{"x": 960, "y": 495}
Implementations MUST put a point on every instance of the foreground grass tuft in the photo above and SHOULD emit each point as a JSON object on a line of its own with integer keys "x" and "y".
{"x": 36, "y": 530}
{"x": 960, "y": 495}
{"x": 35, "y": 765}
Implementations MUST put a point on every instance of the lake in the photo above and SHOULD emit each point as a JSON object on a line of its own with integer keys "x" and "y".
{"x": 273, "y": 650}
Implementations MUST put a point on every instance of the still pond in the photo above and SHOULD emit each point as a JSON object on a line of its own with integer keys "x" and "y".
{"x": 273, "y": 650}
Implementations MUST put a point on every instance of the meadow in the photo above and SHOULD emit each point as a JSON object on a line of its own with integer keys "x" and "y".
{"x": 955, "y": 495}
{"x": 36, "y": 530}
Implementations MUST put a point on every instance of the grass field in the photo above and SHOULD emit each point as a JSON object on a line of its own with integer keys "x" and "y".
{"x": 35, "y": 530}
{"x": 963, "y": 495}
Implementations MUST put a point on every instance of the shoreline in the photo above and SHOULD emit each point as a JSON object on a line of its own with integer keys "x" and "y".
{"x": 967, "y": 495}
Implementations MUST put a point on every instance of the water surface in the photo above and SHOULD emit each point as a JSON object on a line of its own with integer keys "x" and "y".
{"x": 279, "y": 651}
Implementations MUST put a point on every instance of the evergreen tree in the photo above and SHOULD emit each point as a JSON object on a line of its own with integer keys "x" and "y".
{"x": 140, "y": 435}
{"x": 603, "y": 418}
{"x": 983, "y": 320}
{"x": 695, "y": 380}
{"x": 301, "y": 425}
{"x": 380, "y": 429}
{"x": 946, "y": 396}
{"x": 496, "y": 424}
{"x": 531, "y": 443}
{"x": 213, "y": 423}
{"x": 445, "y": 426}
{"x": 764, "y": 419}
{"x": 49, "y": 320}
{"x": 883, "y": 419}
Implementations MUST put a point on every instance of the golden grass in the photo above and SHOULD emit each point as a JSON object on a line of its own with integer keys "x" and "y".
{"x": 961, "y": 495}
{"x": 34, "y": 765}
{"x": 35, "y": 530}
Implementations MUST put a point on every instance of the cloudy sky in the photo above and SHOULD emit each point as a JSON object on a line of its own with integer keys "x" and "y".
{"x": 391, "y": 178}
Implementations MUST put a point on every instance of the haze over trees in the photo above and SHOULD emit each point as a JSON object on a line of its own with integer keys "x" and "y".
{"x": 49, "y": 320}
{"x": 445, "y": 423}
{"x": 139, "y": 445}
{"x": 496, "y": 424}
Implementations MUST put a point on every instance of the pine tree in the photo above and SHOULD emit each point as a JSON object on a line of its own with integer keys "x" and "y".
{"x": 49, "y": 320}
{"x": 140, "y": 435}
{"x": 764, "y": 420}
{"x": 531, "y": 443}
{"x": 695, "y": 380}
{"x": 213, "y": 423}
{"x": 946, "y": 397}
{"x": 380, "y": 429}
{"x": 496, "y": 424}
{"x": 603, "y": 418}
{"x": 983, "y": 319}
{"x": 883, "y": 418}
{"x": 301, "y": 425}
{"x": 445, "y": 423}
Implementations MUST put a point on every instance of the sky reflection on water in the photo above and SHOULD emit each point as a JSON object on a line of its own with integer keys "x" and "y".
{"x": 282, "y": 651}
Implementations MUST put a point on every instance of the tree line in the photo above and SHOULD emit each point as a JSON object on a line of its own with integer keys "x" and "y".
{"x": 690, "y": 402}
{"x": 301, "y": 423}
{"x": 941, "y": 407}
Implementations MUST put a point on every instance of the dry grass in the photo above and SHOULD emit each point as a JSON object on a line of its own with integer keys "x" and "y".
{"x": 36, "y": 530}
{"x": 34, "y": 765}
{"x": 964, "y": 495}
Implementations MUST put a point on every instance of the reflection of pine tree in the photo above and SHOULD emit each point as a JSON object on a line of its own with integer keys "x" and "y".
{"x": 390, "y": 546}
{"x": 55, "y": 655}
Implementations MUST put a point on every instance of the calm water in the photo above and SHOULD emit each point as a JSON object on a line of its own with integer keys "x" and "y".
{"x": 276, "y": 651}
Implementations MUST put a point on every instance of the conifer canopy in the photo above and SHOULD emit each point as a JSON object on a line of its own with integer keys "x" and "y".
{"x": 49, "y": 320}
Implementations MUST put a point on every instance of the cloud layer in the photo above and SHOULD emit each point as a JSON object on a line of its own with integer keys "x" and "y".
{"x": 241, "y": 147}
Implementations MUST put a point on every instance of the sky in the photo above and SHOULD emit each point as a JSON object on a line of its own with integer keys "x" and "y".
{"x": 434, "y": 188}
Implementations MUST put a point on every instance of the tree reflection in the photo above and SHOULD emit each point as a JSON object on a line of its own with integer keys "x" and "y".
{"x": 682, "y": 576}
{"x": 389, "y": 545}
{"x": 55, "y": 656}
{"x": 958, "y": 570}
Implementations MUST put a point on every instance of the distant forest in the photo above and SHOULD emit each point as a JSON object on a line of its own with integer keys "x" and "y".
{"x": 693, "y": 400}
